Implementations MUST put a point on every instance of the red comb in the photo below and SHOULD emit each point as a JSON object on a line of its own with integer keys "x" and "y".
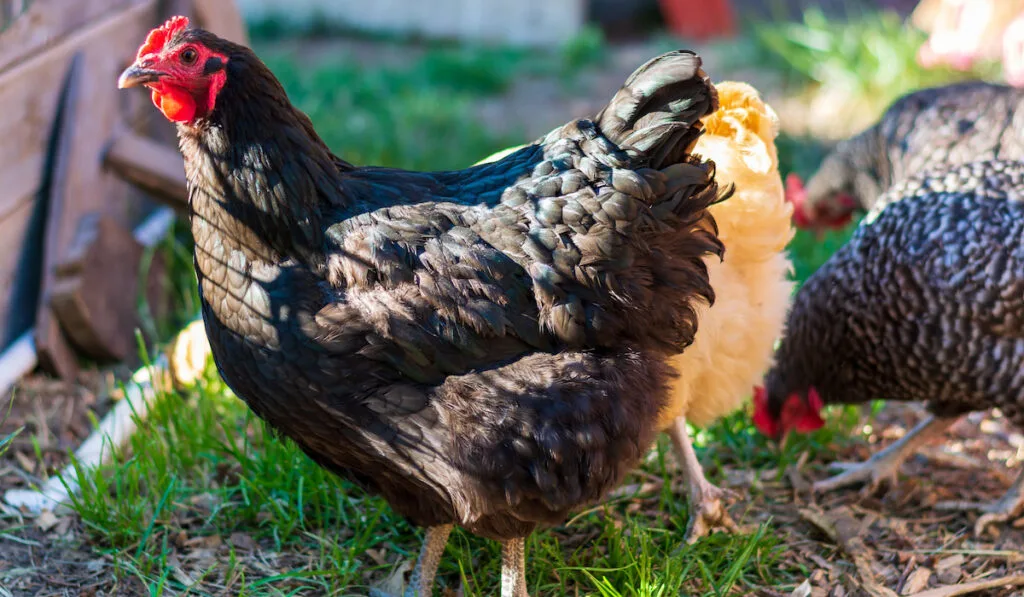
{"x": 764, "y": 422}
{"x": 811, "y": 417}
{"x": 797, "y": 195}
{"x": 158, "y": 37}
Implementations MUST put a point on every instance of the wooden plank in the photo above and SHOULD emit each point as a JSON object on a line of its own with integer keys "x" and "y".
{"x": 152, "y": 167}
{"x": 96, "y": 303}
{"x": 29, "y": 93}
{"x": 46, "y": 22}
{"x": 222, "y": 17}
{"x": 55, "y": 353}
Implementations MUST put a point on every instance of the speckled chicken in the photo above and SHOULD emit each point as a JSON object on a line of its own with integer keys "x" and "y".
{"x": 925, "y": 303}
{"x": 954, "y": 124}
{"x": 484, "y": 348}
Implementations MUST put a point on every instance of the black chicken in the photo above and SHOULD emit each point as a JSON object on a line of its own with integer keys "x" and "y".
{"x": 954, "y": 124}
{"x": 483, "y": 347}
{"x": 925, "y": 303}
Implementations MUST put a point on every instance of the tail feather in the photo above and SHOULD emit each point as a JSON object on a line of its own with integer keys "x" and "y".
{"x": 657, "y": 111}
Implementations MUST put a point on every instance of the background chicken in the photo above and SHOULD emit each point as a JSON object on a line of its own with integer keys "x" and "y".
{"x": 925, "y": 303}
{"x": 734, "y": 346}
{"x": 953, "y": 124}
{"x": 483, "y": 347}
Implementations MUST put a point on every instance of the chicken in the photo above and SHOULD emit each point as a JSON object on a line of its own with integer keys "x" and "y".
{"x": 734, "y": 345}
{"x": 953, "y": 124}
{"x": 484, "y": 348}
{"x": 925, "y": 303}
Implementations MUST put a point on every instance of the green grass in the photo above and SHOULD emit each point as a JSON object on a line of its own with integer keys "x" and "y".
{"x": 201, "y": 466}
{"x": 869, "y": 56}
{"x": 204, "y": 466}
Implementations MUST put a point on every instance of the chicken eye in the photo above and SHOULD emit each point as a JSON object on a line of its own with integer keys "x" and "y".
{"x": 189, "y": 56}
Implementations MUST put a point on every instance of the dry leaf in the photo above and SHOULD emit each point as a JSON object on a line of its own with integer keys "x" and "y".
{"x": 46, "y": 521}
{"x": 917, "y": 581}
{"x": 804, "y": 590}
{"x": 243, "y": 541}
{"x": 394, "y": 584}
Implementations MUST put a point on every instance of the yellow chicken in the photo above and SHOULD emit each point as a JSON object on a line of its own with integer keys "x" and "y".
{"x": 736, "y": 337}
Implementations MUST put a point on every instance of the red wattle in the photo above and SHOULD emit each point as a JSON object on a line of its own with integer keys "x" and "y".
{"x": 176, "y": 104}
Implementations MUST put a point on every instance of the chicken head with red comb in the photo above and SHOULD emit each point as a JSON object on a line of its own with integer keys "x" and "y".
{"x": 184, "y": 69}
{"x": 157, "y": 38}
{"x": 775, "y": 417}
{"x": 833, "y": 212}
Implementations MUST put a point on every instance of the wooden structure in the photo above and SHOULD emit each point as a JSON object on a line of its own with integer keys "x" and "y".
{"x": 520, "y": 22}
{"x": 80, "y": 162}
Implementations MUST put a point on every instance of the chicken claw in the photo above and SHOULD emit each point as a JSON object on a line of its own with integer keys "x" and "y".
{"x": 707, "y": 509}
{"x": 885, "y": 465}
{"x": 1007, "y": 508}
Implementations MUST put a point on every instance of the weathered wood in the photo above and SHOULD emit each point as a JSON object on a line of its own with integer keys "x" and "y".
{"x": 55, "y": 355}
{"x": 18, "y": 275}
{"x": 29, "y": 93}
{"x": 95, "y": 302}
{"x": 223, "y": 18}
{"x": 152, "y": 167}
{"x": 46, "y": 22}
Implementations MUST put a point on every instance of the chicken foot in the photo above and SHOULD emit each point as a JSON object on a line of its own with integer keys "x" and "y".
{"x": 885, "y": 465}
{"x": 707, "y": 509}
{"x": 1007, "y": 508}
{"x": 421, "y": 584}
{"x": 513, "y": 568}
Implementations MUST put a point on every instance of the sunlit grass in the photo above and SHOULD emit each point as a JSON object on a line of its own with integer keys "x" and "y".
{"x": 870, "y": 56}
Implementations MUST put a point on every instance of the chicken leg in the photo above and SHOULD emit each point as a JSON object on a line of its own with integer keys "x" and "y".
{"x": 421, "y": 584}
{"x": 883, "y": 466}
{"x": 707, "y": 510}
{"x": 1009, "y": 507}
{"x": 513, "y": 568}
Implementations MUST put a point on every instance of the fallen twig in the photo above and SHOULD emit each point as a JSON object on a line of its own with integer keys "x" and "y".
{"x": 973, "y": 587}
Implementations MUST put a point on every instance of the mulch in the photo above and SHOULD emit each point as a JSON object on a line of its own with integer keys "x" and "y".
{"x": 898, "y": 541}
{"x": 54, "y": 417}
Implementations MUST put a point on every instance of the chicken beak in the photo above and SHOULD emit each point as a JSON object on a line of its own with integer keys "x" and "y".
{"x": 135, "y": 75}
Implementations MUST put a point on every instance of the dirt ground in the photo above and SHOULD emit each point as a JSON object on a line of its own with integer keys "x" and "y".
{"x": 899, "y": 539}
{"x": 850, "y": 544}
